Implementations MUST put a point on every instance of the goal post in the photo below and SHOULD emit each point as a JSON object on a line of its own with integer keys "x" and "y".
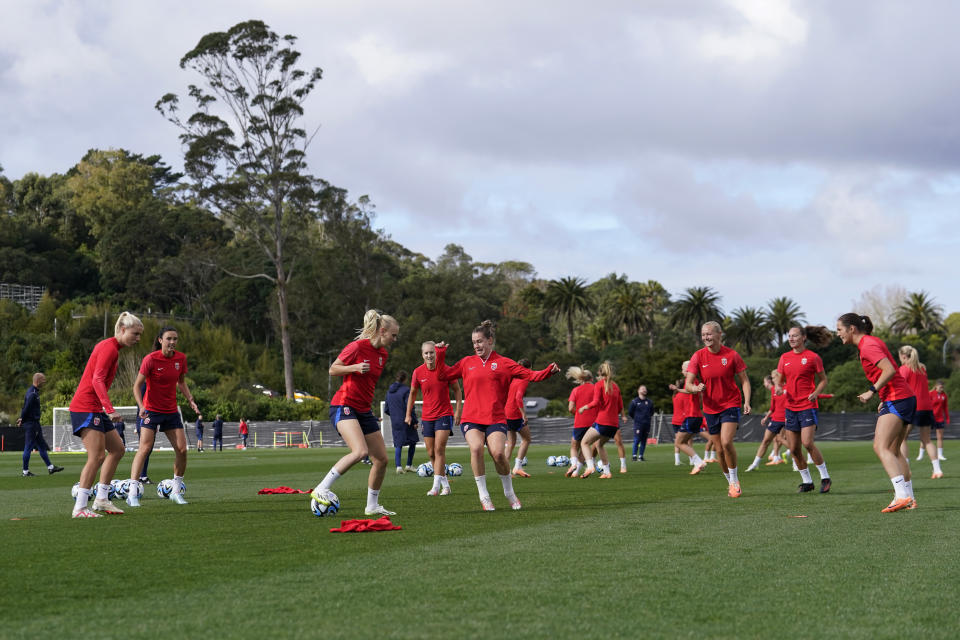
{"x": 63, "y": 439}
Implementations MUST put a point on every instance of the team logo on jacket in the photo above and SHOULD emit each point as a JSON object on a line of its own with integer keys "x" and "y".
{"x": 176, "y": 365}
{"x": 723, "y": 361}
{"x": 381, "y": 361}
{"x": 493, "y": 366}
{"x": 803, "y": 361}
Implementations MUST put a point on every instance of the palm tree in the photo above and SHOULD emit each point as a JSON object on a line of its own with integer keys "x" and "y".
{"x": 696, "y": 306}
{"x": 566, "y": 298}
{"x": 626, "y": 307}
{"x": 783, "y": 313}
{"x": 750, "y": 328}
{"x": 919, "y": 313}
{"x": 655, "y": 300}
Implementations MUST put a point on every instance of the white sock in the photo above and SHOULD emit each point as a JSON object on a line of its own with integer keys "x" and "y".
{"x": 623, "y": 464}
{"x": 436, "y": 482}
{"x": 676, "y": 458}
{"x": 444, "y": 483}
{"x": 328, "y": 480}
{"x": 518, "y": 463}
{"x": 49, "y": 466}
{"x": 373, "y": 498}
{"x": 482, "y": 487}
{"x": 939, "y": 452}
{"x": 590, "y": 464}
{"x": 103, "y": 491}
{"x": 727, "y": 476}
{"x": 733, "y": 475}
{"x": 920, "y": 455}
{"x": 822, "y": 469}
{"x": 936, "y": 465}
{"x": 899, "y": 490}
{"x": 908, "y": 486}
{"x": 177, "y": 484}
{"x": 805, "y": 476}
{"x": 83, "y": 496}
{"x": 809, "y": 459}
{"x": 756, "y": 461}
{"x": 507, "y": 483}
{"x": 697, "y": 460}
{"x": 776, "y": 457}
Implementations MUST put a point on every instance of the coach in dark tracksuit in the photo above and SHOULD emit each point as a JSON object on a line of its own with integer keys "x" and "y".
{"x": 641, "y": 410}
{"x": 218, "y": 432}
{"x": 32, "y": 433}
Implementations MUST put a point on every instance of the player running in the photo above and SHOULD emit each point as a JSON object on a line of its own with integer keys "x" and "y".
{"x": 436, "y": 417}
{"x": 486, "y": 381}
{"x": 773, "y": 420}
{"x": 915, "y": 374}
{"x": 609, "y": 404}
{"x": 580, "y": 395}
{"x": 162, "y": 372}
{"x": 941, "y": 415}
{"x": 718, "y": 368}
{"x": 93, "y": 417}
{"x": 897, "y": 404}
{"x": 689, "y": 407}
{"x": 516, "y": 416}
{"x": 360, "y": 364}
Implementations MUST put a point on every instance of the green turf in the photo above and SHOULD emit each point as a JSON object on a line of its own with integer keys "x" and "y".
{"x": 654, "y": 553}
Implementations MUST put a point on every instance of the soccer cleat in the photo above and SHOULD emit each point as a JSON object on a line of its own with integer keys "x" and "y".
{"x": 178, "y": 498}
{"x": 734, "y": 490}
{"x": 400, "y": 471}
{"x": 752, "y": 467}
{"x": 897, "y": 505}
{"x": 589, "y": 471}
{"x": 132, "y": 500}
{"x": 410, "y": 469}
{"x": 700, "y": 467}
{"x": 634, "y": 458}
{"x": 146, "y": 480}
{"x": 936, "y": 475}
{"x": 445, "y": 491}
{"x": 432, "y": 492}
{"x": 774, "y": 462}
{"x": 912, "y": 505}
{"x": 515, "y": 503}
{"x": 83, "y": 512}
{"x": 487, "y": 504}
{"x": 623, "y": 469}
{"x": 378, "y": 511}
{"x": 825, "y": 485}
{"x": 29, "y": 474}
{"x": 677, "y": 463}
{"x": 642, "y": 459}
{"x": 805, "y": 487}
{"x": 605, "y": 476}
{"x": 571, "y": 471}
{"x": 54, "y": 469}
{"x": 107, "y": 507}
{"x": 520, "y": 473}
{"x": 941, "y": 458}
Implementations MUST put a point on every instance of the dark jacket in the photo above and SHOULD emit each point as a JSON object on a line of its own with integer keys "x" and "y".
{"x": 396, "y": 405}
{"x": 31, "y": 405}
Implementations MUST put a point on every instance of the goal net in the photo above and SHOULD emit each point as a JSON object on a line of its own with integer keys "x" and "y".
{"x": 64, "y": 440}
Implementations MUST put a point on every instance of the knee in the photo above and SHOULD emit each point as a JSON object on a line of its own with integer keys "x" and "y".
{"x": 499, "y": 457}
{"x": 379, "y": 458}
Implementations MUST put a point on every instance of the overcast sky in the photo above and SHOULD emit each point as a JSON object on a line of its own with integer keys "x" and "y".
{"x": 760, "y": 147}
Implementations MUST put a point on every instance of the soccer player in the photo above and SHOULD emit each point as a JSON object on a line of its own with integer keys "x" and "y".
{"x": 941, "y": 415}
{"x": 897, "y": 404}
{"x": 641, "y": 410}
{"x": 244, "y": 432}
{"x": 609, "y": 404}
{"x": 486, "y": 382}
{"x": 29, "y": 420}
{"x": 718, "y": 368}
{"x": 360, "y": 364}
{"x": 92, "y": 416}
{"x": 804, "y": 380}
{"x": 676, "y": 420}
{"x": 163, "y": 371}
{"x": 516, "y": 416}
{"x": 404, "y": 429}
{"x": 915, "y": 374}
{"x": 580, "y": 395}
{"x": 436, "y": 417}
{"x": 689, "y": 408}
{"x": 773, "y": 420}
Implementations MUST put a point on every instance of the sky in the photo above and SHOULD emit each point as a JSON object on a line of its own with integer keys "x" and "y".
{"x": 764, "y": 148}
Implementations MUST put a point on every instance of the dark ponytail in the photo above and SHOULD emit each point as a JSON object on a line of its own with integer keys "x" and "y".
{"x": 819, "y": 335}
{"x": 401, "y": 376}
{"x": 486, "y": 328}
{"x": 163, "y": 330}
{"x": 863, "y": 324}
{"x": 523, "y": 362}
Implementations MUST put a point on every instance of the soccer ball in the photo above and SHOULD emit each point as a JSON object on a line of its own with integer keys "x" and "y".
{"x": 119, "y": 488}
{"x": 455, "y": 469}
{"x": 327, "y": 505}
{"x": 425, "y": 470}
{"x": 562, "y": 461}
{"x": 165, "y": 488}
{"x": 551, "y": 461}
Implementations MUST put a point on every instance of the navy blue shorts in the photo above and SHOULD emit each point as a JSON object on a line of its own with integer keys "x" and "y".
{"x": 515, "y": 424}
{"x": 606, "y": 431}
{"x": 774, "y": 427}
{"x": 691, "y": 425}
{"x": 430, "y": 427}
{"x": 714, "y": 420}
{"x": 487, "y": 429}
{"x": 95, "y": 421}
{"x": 579, "y": 432}
{"x": 937, "y": 425}
{"x": 162, "y": 421}
{"x": 923, "y": 419}
{"x": 798, "y": 420}
{"x": 199, "y": 432}
{"x": 676, "y": 428}
{"x": 903, "y": 409}
{"x": 368, "y": 422}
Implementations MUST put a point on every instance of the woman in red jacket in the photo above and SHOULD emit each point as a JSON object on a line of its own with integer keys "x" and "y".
{"x": 915, "y": 374}
{"x": 582, "y": 394}
{"x": 609, "y": 405}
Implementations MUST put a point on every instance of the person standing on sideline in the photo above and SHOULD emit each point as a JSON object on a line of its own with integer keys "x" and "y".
{"x": 402, "y": 424}
{"x": 897, "y": 404}
{"x": 29, "y": 420}
{"x": 199, "y": 427}
{"x": 641, "y": 410}
{"x": 360, "y": 364}
{"x": 718, "y": 368}
{"x": 244, "y": 431}
{"x": 218, "y": 432}
{"x": 92, "y": 416}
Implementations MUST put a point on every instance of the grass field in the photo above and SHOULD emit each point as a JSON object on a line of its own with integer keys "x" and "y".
{"x": 654, "y": 553}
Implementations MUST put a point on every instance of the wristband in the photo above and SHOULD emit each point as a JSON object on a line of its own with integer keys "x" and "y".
{"x": 873, "y": 388}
